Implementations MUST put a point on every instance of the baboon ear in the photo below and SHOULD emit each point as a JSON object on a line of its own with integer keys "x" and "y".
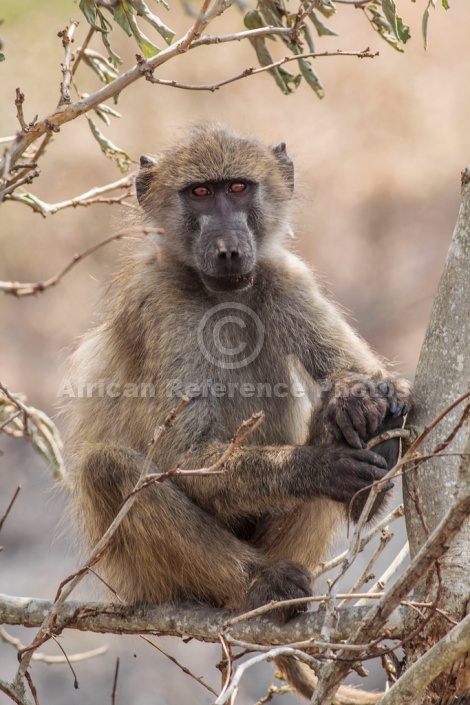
{"x": 286, "y": 163}
{"x": 143, "y": 178}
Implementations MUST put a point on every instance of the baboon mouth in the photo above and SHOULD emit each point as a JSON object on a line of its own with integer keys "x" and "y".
{"x": 229, "y": 282}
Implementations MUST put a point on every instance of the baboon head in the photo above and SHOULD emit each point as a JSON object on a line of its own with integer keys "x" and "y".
{"x": 221, "y": 199}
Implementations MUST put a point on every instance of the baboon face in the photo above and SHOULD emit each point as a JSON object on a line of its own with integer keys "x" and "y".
{"x": 223, "y": 242}
{"x": 220, "y": 198}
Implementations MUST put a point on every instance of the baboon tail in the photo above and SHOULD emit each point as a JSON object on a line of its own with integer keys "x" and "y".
{"x": 303, "y": 679}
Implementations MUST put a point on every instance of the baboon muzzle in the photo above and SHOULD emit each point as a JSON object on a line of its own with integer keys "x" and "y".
{"x": 226, "y": 259}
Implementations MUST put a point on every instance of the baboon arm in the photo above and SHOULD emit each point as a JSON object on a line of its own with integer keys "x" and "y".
{"x": 277, "y": 477}
{"x": 166, "y": 548}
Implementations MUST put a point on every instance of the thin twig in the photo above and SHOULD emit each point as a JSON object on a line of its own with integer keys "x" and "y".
{"x": 85, "y": 199}
{"x": 29, "y": 289}
{"x": 11, "y": 691}
{"x": 8, "y": 421}
{"x": 75, "y": 679}
{"x": 19, "y": 100}
{"x": 67, "y": 39}
{"x": 12, "y": 501}
{"x": 28, "y": 178}
{"x": 46, "y": 658}
{"x": 81, "y": 50}
{"x": 334, "y": 562}
{"x": 177, "y": 663}
{"x": 239, "y": 36}
{"x": 268, "y": 656}
{"x": 365, "y": 575}
{"x": 252, "y": 71}
{"x": 403, "y": 433}
{"x": 115, "y": 680}
{"x": 226, "y": 666}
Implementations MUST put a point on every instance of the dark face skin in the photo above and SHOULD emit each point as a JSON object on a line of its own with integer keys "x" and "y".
{"x": 224, "y": 247}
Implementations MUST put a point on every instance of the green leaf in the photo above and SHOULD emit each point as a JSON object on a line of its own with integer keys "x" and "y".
{"x": 121, "y": 157}
{"x": 311, "y": 77}
{"x": 289, "y": 77}
{"x": 114, "y": 58}
{"x": 103, "y": 68}
{"x": 282, "y": 78}
{"x": 124, "y": 15}
{"x": 88, "y": 8}
{"x": 381, "y": 26}
{"x": 2, "y": 57}
{"x": 253, "y": 20}
{"x": 424, "y": 27}
{"x": 390, "y": 11}
{"x": 327, "y": 8}
{"x": 308, "y": 38}
{"x": 445, "y": 5}
{"x": 103, "y": 111}
{"x": 143, "y": 11}
{"x": 321, "y": 27}
{"x": 271, "y": 12}
{"x": 120, "y": 14}
{"x": 404, "y": 32}
{"x": 148, "y": 48}
{"x": 400, "y": 29}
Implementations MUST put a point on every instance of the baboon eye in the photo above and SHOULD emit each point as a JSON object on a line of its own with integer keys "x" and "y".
{"x": 201, "y": 191}
{"x": 237, "y": 187}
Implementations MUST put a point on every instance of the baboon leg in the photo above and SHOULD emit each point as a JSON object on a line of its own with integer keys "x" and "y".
{"x": 166, "y": 548}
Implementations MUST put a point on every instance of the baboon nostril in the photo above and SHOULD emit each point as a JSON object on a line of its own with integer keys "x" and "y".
{"x": 226, "y": 251}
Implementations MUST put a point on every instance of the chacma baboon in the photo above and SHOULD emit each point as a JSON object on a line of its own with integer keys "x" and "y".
{"x": 217, "y": 307}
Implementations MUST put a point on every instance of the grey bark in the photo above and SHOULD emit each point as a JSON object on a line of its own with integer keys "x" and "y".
{"x": 443, "y": 374}
{"x": 197, "y": 622}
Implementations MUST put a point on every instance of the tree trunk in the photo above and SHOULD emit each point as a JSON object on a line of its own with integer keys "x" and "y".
{"x": 442, "y": 375}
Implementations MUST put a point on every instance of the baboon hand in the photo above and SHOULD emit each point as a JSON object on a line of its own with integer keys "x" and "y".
{"x": 357, "y": 405}
{"x": 344, "y": 471}
{"x": 281, "y": 581}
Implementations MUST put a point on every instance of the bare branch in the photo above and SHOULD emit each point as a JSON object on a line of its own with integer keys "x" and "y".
{"x": 370, "y": 628}
{"x": 252, "y": 71}
{"x": 46, "y": 658}
{"x": 35, "y": 425}
{"x": 182, "y": 620}
{"x": 116, "y": 674}
{"x": 177, "y": 663}
{"x": 247, "y": 34}
{"x": 442, "y": 655}
{"x": 28, "y": 178}
{"x": 85, "y": 199}
{"x": 232, "y": 690}
{"x": 19, "y": 100}
{"x": 67, "y": 40}
{"x": 28, "y": 289}
{"x": 81, "y": 51}
{"x": 334, "y": 562}
{"x": 8, "y": 509}
{"x": 10, "y": 690}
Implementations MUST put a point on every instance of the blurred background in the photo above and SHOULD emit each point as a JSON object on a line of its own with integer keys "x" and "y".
{"x": 378, "y": 164}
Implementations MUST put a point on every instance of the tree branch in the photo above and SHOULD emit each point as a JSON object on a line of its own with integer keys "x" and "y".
{"x": 182, "y": 620}
{"x": 85, "y": 199}
{"x": 442, "y": 655}
{"x": 251, "y": 71}
{"x": 28, "y": 289}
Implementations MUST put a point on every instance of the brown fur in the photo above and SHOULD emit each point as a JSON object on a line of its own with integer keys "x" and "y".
{"x": 250, "y": 535}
